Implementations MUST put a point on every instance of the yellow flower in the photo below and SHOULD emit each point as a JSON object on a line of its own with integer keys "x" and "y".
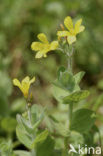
{"x": 72, "y": 31}
{"x": 24, "y": 85}
{"x": 44, "y": 46}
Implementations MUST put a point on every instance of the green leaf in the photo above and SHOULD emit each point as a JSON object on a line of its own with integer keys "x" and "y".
{"x": 89, "y": 136}
{"x": 76, "y": 96}
{"x": 22, "y": 153}
{"x": 25, "y": 123}
{"x": 58, "y": 93}
{"x": 36, "y": 125}
{"x": 79, "y": 76}
{"x": 23, "y": 137}
{"x": 29, "y": 127}
{"x": 53, "y": 119}
{"x": 62, "y": 129}
{"x": 65, "y": 80}
{"x": 46, "y": 147}
{"x": 40, "y": 137}
{"x": 6, "y": 148}
{"x": 37, "y": 115}
{"x": 83, "y": 120}
{"x": 95, "y": 129}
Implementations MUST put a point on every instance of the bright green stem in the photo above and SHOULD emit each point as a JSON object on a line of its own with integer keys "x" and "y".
{"x": 66, "y": 140}
{"x": 70, "y": 111}
{"x": 70, "y": 64}
{"x": 28, "y": 111}
{"x": 69, "y": 55}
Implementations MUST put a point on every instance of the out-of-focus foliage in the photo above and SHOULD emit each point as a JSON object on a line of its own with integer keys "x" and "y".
{"x": 20, "y": 22}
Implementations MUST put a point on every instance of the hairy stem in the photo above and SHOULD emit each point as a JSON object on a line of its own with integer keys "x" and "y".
{"x": 69, "y": 54}
{"x": 70, "y": 110}
{"x": 70, "y": 64}
{"x": 28, "y": 106}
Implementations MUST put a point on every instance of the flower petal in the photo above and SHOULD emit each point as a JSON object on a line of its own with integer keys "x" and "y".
{"x": 68, "y": 23}
{"x": 63, "y": 33}
{"x": 36, "y": 46}
{"x": 32, "y": 80}
{"x": 81, "y": 28}
{"x": 54, "y": 45}
{"x": 17, "y": 83}
{"x": 25, "y": 85}
{"x": 46, "y": 48}
{"x": 39, "y": 54}
{"x": 71, "y": 39}
{"x": 42, "y": 37}
{"x": 26, "y": 79}
{"x": 78, "y": 27}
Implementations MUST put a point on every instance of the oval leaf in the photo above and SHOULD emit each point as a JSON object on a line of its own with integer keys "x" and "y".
{"x": 83, "y": 120}
{"x": 76, "y": 96}
{"x": 23, "y": 137}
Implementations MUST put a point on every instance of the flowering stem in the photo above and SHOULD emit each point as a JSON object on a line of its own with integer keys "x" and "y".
{"x": 29, "y": 115}
{"x": 70, "y": 110}
{"x": 69, "y": 62}
{"x": 70, "y": 53}
{"x": 28, "y": 106}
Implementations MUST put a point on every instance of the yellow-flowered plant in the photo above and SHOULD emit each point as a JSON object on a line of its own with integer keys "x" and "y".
{"x": 72, "y": 31}
{"x": 24, "y": 85}
{"x": 66, "y": 91}
{"x": 44, "y": 46}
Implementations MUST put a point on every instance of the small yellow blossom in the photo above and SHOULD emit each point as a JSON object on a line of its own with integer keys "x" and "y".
{"x": 44, "y": 46}
{"x": 24, "y": 85}
{"x": 72, "y": 31}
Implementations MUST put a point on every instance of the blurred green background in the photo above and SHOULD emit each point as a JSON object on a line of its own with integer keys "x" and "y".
{"x": 20, "y": 22}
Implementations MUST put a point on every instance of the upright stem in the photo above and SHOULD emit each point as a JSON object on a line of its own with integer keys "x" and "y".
{"x": 70, "y": 111}
{"x": 69, "y": 63}
{"x": 28, "y": 107}
{"x": 70, "y": 68}
{"x": 69, "y": 54}
{"x": 29, "y": 113}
